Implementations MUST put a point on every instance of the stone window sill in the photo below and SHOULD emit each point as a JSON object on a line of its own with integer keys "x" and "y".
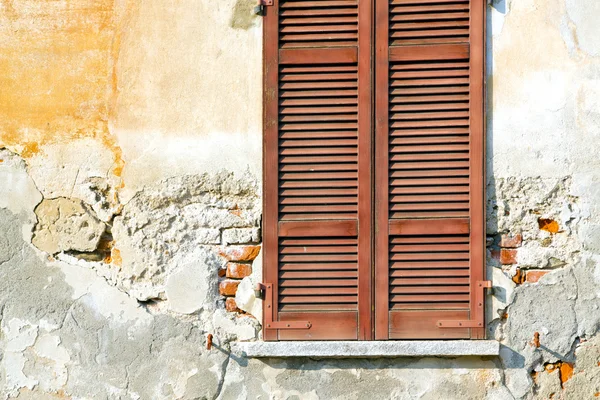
{"x": 368, "y": 349}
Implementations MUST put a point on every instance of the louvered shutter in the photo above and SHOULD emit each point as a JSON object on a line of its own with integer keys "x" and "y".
{"x": 317, "y": 157}
{"x": 429, "y": 169}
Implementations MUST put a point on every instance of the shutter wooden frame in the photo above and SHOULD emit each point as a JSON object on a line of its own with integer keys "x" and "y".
{"x": 429, "y": 322}
{"x": 372, "y": 228}
{"x": 278, "y": 50}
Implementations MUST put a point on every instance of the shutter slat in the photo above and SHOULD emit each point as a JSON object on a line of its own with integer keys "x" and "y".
{"x": 419, "y": 273}
{"x": 321, "y": 283}
{"x": 429, "y": 298}
{"x": 318, "y": 274}
{"x": 319, "y": 192}
{"x": 313, "y": 266}
{"x": 317, "y": 291}
{"x": 318, "y": 299}
{"x": 317, "y": 249}
{"x": 428, "y": 264}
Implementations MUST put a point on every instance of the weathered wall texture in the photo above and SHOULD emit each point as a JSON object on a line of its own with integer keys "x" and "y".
{"x": 130, "y": 208}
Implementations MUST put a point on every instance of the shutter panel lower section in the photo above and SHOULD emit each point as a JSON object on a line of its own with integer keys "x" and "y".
{"x": 317, "y": 157}
{"x": 429, "y": 168}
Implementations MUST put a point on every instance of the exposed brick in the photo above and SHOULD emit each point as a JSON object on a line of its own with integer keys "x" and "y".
{"x": 534, "y": 276}
{"x": 238, "y": 271}
{"x": 508, "y": 256}
{"x": 511, "y": 241}
{"x": 231, "y": 305}
{"x": 228, "y": 287}
{"x": 239, "y": 253}
{"x": 222, "y": 272}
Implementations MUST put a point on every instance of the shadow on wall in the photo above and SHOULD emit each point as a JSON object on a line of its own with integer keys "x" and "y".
{"x": 491, "y": 196}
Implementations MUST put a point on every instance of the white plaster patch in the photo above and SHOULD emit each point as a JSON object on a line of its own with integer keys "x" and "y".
{"x": 54, "y": 366}
{"x": 18, "y": 192}
{"x": 188, "y": 289}
{"x": 18, "y": 336}
{"x": 77, "y": 169}
{"x": 106, "y": 300}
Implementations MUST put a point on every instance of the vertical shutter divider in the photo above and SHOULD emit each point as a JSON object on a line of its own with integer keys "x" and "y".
{"x": 365, "y": 181}
{"x": 381, "y": 170}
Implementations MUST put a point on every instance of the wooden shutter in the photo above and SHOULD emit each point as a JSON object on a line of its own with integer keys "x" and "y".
{"x": 429, "y": 169}
{"x": 317, "y": 157}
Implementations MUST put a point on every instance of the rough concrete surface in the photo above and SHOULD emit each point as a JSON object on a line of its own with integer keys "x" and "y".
{"x": 141, "y": 122}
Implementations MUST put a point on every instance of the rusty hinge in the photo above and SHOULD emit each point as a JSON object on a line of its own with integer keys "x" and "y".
{"x": 269, "y": 323}
{"x": 259, "y": 9}
{"x": 478, "y": 321}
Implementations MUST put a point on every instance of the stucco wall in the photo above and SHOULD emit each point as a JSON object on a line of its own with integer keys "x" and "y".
{"x": 130, "y": 208}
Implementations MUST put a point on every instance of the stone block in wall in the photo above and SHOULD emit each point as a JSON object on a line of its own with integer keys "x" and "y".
{"x": 241, "y": 235}
{"x": 207, "y": 236}
{"x": 228, "y": 287}
{"x": 534, "y": 276}
{"x": 508, "y": 241}
{"x": 231, "y": 305}
{"x": 508, "y": 256}
{"x": 238, "y": 270}
{"x": 239, "y": 253}
{"x": 66, "y": 225}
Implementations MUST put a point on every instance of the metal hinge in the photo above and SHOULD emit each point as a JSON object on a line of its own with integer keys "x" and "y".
{"x": 267, "y": 289}
{"x": 259, "y": 9}
{"x": 478, "y": 321}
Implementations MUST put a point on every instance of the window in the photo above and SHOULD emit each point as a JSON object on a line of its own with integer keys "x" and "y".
{"x": 373, "y": 159}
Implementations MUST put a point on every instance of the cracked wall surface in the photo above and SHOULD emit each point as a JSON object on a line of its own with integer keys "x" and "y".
{"x": 131, "y": 206}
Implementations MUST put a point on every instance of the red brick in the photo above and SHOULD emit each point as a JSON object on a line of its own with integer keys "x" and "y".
{"x": 231, "y": 305}
{"x": 238, "y": 271}
{"x": 239, "y": 253}
{"x": 508, "y": 256}
{"x": 228, "y": 287}
{"x": 534, "y": 276}
{"x": 511, "y": 241}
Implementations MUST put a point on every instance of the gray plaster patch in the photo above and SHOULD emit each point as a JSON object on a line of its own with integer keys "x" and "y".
{"x": 426, "y": 378}
{"x": 65, "y": 330}
{"x": 549, "y": 309}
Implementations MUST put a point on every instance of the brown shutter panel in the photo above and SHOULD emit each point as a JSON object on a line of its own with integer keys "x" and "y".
{"x": 429, "y": 169}
{"x": 317, "y": 156}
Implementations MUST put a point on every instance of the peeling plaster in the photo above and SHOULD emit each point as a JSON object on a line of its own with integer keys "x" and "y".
{"x": 167, "y": 155}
